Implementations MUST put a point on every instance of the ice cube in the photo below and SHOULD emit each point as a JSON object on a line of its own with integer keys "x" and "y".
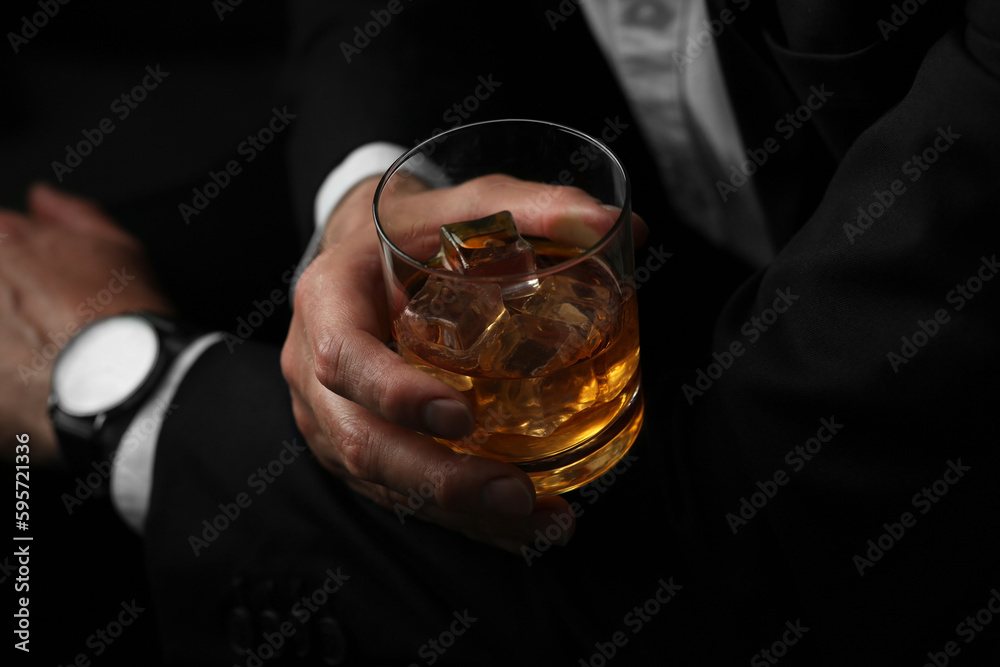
{"x": 448, "y": 321}
{"x": 456, "y": 378}
{"x": 535, "y": 406}
{"x": 534, "y": 381}
{"x": 529, "y": 346}
{"x": 490, "y": 246}
{"x": 583, "y": 306}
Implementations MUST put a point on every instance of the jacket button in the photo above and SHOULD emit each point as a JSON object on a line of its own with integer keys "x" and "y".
{"x": 330, "y": 644}
{"x": 239, "y": 630}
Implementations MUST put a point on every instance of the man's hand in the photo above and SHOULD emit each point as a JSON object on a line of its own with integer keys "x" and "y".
{"x": 364, "y": 410}
{"x": 63, "y": 265}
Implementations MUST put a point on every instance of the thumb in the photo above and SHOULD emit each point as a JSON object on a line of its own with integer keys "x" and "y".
{"x": 73, "y": 213}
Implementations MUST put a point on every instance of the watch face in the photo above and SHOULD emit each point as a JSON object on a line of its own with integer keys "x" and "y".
{"x": 104, "y": 365}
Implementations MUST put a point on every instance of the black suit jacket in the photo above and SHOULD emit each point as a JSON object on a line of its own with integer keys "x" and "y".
{"x": 822, "y": 484}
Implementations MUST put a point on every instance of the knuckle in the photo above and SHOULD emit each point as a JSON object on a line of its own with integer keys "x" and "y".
{"x": 357, "y": 454}
{"x": 391, "y": 393}
{"x": 492, "y": 180}
{"x": 562, "y": 195}
{"x": 304, "y": 419}
{"x": 303, "y": 289}
{"x": 446, "y": 489}
{"x": 289, "y": 364}
{"x": 330, "y": 360}
{"x": 300, "y": 300}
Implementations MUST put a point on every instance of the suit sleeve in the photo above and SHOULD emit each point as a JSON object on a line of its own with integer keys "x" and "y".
{"x": 834, "y": 461}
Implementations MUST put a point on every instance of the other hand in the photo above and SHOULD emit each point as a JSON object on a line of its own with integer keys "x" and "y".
{"x": 63, "y": 264}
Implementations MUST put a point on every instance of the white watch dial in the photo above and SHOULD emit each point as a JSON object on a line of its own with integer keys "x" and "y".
{"x": 104, "y": 365}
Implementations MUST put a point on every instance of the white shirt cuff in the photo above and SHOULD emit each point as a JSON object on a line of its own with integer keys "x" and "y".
{"x": 372, "y": 159}
{"x": 132, "y": 469}
{"x": 363, "y": 162}
{"x": 369, "y": 160}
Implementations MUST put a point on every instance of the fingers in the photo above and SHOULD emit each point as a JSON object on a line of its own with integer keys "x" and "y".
{"x": 342, "y": 296}
{"x": 22, "y": 291}
{"x": 48, "y": 204}
{"x": 356, "y": 365}
{"x": 395, "y": 463}
{"x": 551, "y": 521}
{"x": 412, "y": 475}
{"x": 540, "y": 209}
{"x": 12, "y": 228}
{"x": 412, "y": 464}
{"x": 362, "y": 445}
{"x": 342, "y": 300}
{"x": 365, "y": 410}
{"x": 562, "y": 213}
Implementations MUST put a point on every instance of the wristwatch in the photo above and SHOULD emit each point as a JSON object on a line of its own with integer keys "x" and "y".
{"x": 102, "y": 378}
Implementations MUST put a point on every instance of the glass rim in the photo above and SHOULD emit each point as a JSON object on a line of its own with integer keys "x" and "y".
{"x": 559, "y": 266}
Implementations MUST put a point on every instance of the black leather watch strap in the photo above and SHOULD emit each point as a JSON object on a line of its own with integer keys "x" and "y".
{"x": 89, "y": 443}
{"x": 85, "y": 454}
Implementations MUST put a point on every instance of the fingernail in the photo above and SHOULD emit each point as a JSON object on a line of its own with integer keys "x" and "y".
{"x": 508, "y": 496}
{"x": 447, "y": 418}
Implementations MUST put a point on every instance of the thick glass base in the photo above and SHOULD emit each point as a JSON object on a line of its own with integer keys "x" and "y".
{"x": 585, "y": 463}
